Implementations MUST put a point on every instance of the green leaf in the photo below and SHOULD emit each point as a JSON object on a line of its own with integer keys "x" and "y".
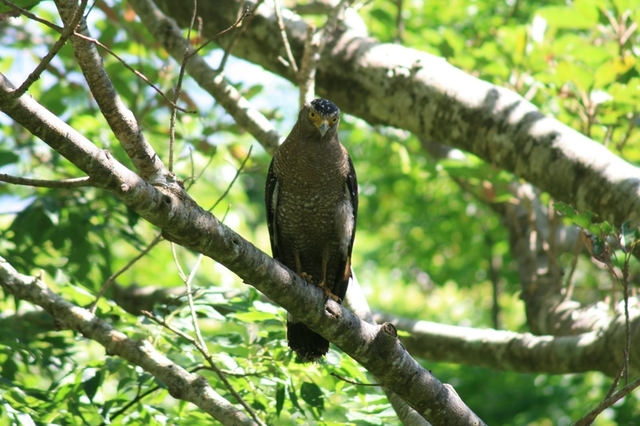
{"x": 629, "y": 236}
{"x": 253, "y": 316}
{"x": 7, "y": 157}
{"x": 9, "y": 369}
{"x": 570, "y": 71}
{"x": 294, "y": 398}
{"x": 588, "y": 9}
{"x": 25, "y": 4}
{"x": 608, "y": 72}
{"x": 312, "y": 395}
{"x": 91, "y": 380}
{"x": 569, "y": 17}
{"x": 626, "y": 93}
{"x": 565, "y": 210}
{"x": 280, "y": 393}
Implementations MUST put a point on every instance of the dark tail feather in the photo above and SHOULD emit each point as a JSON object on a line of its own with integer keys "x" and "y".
{"x": 309, "y": 345}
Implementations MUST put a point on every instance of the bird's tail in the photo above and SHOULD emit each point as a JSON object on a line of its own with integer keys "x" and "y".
{"x": 307, "y": 344}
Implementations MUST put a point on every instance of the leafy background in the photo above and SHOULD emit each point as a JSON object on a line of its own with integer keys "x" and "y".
{"x": 425, "y": 243}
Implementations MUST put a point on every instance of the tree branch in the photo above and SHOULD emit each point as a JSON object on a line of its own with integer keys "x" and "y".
{"x": 392, "y": 85}
{"x": 599, "y": 350}
{"x": 166, "y": 32}
{"x": 184, "y": 222}
{"x": 180, "y": 383}
{"x": 42, "y": 183}
{"x": 120, "y": 119}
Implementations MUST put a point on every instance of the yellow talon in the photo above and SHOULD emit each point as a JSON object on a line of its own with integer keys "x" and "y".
{"x": 327, "y": 292}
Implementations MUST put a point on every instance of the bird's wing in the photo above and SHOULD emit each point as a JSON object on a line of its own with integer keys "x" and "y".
{"x": 271, "y": 203}
{"x": 352, "y": 186}
{"x": 344, "y": 268}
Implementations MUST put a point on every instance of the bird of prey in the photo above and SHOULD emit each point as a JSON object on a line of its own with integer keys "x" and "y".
{"x": 311, "y": 199}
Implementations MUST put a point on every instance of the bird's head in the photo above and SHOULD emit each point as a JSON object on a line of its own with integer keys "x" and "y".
{"x": 323, "y": 115}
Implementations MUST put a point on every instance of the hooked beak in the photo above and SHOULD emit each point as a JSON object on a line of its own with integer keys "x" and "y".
{"x": 323, "y": 127}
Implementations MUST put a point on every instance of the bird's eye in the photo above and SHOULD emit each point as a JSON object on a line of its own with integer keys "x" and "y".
{"x": 334, "y": 120}
{"x": 312, "y": 114}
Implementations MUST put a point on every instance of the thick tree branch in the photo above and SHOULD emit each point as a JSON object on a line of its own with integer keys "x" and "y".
{"x": 599, "y": 350}
{"x": 392, "y": 85}
{"x": 548, "y": 303}
{"x": 536, "y": 242}
{"x": 180, "y": 383}
{"x": 357, "y": 302}
{"x": 184, "y": 222}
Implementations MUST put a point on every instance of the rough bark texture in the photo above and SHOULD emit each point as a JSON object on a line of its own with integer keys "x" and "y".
{"x": 184, "y": 222}
{"x": 392, "y": 85}
{"x": 180, "y": 383}
{"x": 507, "y": 350}
{"x": 120, "y": 118}
{"x": 384, "y": 84}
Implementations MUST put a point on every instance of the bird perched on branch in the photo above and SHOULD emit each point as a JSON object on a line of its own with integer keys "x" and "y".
{"x": 312, "y": 203}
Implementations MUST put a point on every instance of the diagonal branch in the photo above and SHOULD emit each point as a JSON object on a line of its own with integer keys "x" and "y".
{"x": 68, "y": 30}
{"x": 180, "y": 383}
{"x": 388, "y": 84}
{"x": 184, "y": 222}
{"x": 42, "y": 183}
{"x": 357, "y": 302}
{"x": 120, "y": 119}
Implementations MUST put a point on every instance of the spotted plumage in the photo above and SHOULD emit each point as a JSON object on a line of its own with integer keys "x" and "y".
{"x": 312, "y": 203}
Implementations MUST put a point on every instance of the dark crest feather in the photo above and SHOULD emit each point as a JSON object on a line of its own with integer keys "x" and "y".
{"x": 325, "y": 107}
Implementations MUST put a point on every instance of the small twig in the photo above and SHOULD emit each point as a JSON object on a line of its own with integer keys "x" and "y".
{"x": 42, "y": 65}
{"x": 237, "y": 36}
{"x": 254, "y": 374}
{"x": 245, "y": 13}
{"x": 178, "y": 89}
{"x": 285, "y": 39}
{"x": 136, "y": 72}
{"x": 183, "y": 277}
{"x": 307, "y": 75}
{"x": 344, "y": 379}
{"x": 112, "y": 278}
{"x": 574, "y": 263}
{"x": 193, "y": 179}
{"x": 399, "y": 23}
{"x": 40, "y": 183}
{"x": 62, "y": 30}
{"x": 552, "y": 252}
{"x": 495, "y": 265}
{"x": 231, "y": 373}
{"x": 627, "y": 322}
{"x": 209, "y": 359}
{"x": 139, "y": 397}
{"x": 32, "y": 16}
{"x": 192, "y": 309}
{"x": 588, "y": 418}
{"x": 224, "y": 194}
{"x": 314, "y": 44}
{"x": 616, "y": 381}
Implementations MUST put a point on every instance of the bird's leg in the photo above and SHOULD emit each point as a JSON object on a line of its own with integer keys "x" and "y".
{"x": 323, "y": 283}
{"x": 308, "y": 278}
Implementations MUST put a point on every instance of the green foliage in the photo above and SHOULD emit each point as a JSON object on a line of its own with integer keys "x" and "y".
{"x": 427, "y": 234}
{"x": 25, "y": 4}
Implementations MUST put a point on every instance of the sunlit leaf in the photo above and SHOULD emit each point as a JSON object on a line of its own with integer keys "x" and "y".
{"x": 569, "y": 17}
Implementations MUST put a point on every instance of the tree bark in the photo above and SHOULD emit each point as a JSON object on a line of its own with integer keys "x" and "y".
{"x": 392, "y": 85}
{"x": 166, "y": 205}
